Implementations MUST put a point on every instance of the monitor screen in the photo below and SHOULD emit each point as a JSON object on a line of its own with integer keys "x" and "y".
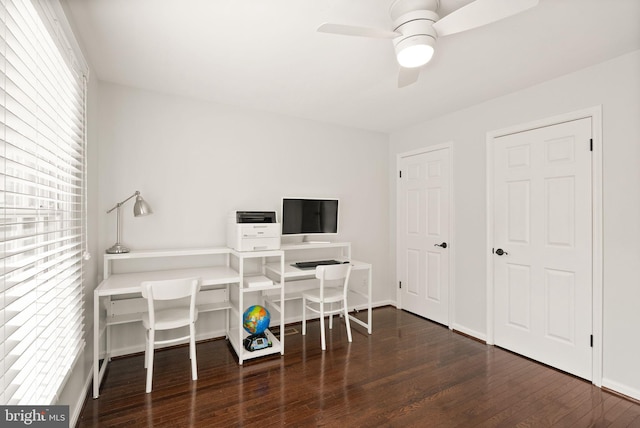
{"x": 309, "y": 216}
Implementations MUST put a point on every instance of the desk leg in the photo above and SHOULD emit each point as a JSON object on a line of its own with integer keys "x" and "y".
{"x": 96, "y": 345}
{"x": 369, "y": 286}
{"x": 107, "y": 354}
{"x": 369, "y": 323}
{"x": 282, "y": 304}
{"x": 240, "y": 310}
{"x": 227, "y": 311}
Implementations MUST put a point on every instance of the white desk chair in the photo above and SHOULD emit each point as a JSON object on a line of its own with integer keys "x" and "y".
{"x": 171, "y": 317}
{"x": 315, "y": 299}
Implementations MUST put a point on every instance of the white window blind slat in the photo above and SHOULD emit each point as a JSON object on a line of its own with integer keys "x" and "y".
{"x": 13, "y": 256}
{"x": 42, "y": 207}
{"x": 15, "y": 300}
{"x": 36, "y": 232}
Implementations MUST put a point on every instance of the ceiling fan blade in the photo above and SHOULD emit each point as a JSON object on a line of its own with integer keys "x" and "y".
{"x": 479, "y": 13}
{"x": 408, "y": 76}
{"x": 351, "y": 30}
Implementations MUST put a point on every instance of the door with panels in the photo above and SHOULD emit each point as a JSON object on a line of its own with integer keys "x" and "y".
{"x": 542, "y": 259}
{"x": 423, "y": 232}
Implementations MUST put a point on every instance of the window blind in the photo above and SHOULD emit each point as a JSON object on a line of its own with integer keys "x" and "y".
{"x": 42, "y": 155}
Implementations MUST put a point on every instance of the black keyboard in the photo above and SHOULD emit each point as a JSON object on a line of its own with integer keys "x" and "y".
{"x": 314, "y": 264}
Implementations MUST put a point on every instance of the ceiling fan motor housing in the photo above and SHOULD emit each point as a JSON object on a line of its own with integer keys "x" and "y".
{"x": 417, "y": 32}
{"x": 400, "y": 7}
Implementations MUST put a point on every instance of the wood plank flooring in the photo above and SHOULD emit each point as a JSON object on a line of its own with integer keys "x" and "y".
{"x": 409, "y": 372}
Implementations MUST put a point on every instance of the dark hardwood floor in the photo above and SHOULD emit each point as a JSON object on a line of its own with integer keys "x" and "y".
{"x": 410, "y": 372}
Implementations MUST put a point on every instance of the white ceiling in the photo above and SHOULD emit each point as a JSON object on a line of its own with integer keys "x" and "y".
{"x": 266, "y": 55}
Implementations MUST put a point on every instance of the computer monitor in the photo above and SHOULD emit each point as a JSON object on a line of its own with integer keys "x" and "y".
{"x": 309, "y": 216}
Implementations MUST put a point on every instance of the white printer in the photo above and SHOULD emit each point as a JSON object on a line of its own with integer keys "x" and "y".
{"x": 253, "y": 231}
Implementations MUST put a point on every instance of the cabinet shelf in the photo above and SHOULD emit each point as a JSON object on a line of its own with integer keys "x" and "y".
{"x": 238, "y": 303}
{"x": 137, "y": 316}
{"x": 260, "y": 288}
{"x": 141, "y": 254}
{"x": 243, "y": 354}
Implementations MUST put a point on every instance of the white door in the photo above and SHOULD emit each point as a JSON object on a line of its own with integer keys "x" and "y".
{"x": 423, "y": 233}
{"x": 542, "y": 257}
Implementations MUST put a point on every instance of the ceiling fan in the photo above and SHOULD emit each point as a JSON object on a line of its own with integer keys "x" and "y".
{"x": 417, "y": 26}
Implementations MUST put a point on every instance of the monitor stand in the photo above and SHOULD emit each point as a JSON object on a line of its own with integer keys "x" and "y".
{"x": 306, "y": 240}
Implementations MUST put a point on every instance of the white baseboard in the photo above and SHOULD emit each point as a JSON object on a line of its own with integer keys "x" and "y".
{"x": 385, "y": 303}
{"x": 606, "y": 383}
{"x": 77, "y": 409}
{"x": 469, "y": 332}
{"x": 621, "y": 388}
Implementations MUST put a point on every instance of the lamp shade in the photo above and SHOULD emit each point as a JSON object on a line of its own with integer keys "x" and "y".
{"x": 141, "y": 207}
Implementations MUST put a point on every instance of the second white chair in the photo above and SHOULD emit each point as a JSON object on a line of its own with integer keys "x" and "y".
{"x": 315, "y": 299}
{"x": 181, "y": 313}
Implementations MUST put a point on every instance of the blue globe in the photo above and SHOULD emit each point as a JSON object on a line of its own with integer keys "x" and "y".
{"x": 256, "y": 319}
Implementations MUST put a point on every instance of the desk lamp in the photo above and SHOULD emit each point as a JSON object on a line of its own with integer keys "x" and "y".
{"x": 140, "y": 208}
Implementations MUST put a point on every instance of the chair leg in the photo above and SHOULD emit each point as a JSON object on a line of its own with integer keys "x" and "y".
{"x": 346, "y": 320}
{"x": 331, "y": 316}
{"x": 322, "y": 333}
{"x": 192, "y": 352}
{"x": 146, "y": 349}
{"x": 304, "y": 316}
{"x": 152, "y": 339}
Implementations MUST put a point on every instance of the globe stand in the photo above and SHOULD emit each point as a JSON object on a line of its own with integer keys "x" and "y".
{"x": 256, "y": 341}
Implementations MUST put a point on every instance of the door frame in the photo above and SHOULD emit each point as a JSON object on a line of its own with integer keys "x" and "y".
{"x": 452, "y": 246}
{"x": 595, "y": 113}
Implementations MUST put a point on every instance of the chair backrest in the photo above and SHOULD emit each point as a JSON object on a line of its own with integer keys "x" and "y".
{"x": 171, "y": 289}
{"x": 333, "y": 273}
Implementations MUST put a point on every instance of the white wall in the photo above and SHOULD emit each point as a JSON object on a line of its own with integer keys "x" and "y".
{"x": 616, "y": 86}
{"x": 195, "y": 161}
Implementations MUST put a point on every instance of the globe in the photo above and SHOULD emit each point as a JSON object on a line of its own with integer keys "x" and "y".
{"x": 255, "y": 319}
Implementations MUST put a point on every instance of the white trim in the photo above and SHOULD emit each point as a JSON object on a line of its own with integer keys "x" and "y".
{"x": 451, "y": 248}
{"x": 82, "y": 398}
{"x": 488, "y": 255}
{"x": 55, "y": 19}
{"x": 621, "y": 388}
{"x": 469, "y": 332}
{"x": 452, "y": 239}
{"x": 595, "y": 114}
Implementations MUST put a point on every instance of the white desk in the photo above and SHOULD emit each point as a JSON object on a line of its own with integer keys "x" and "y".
{"x": 129, "y": 283}
{"x": 292, "y": 273}
{"x": 209, "y": 299}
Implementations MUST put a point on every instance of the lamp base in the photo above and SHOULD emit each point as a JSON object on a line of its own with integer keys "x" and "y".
{"x": 117, "y": 249}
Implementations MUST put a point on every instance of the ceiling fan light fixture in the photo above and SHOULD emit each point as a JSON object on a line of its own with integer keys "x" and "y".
{"x": 415, "y": 51}
{"x": 417, "y": 26}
